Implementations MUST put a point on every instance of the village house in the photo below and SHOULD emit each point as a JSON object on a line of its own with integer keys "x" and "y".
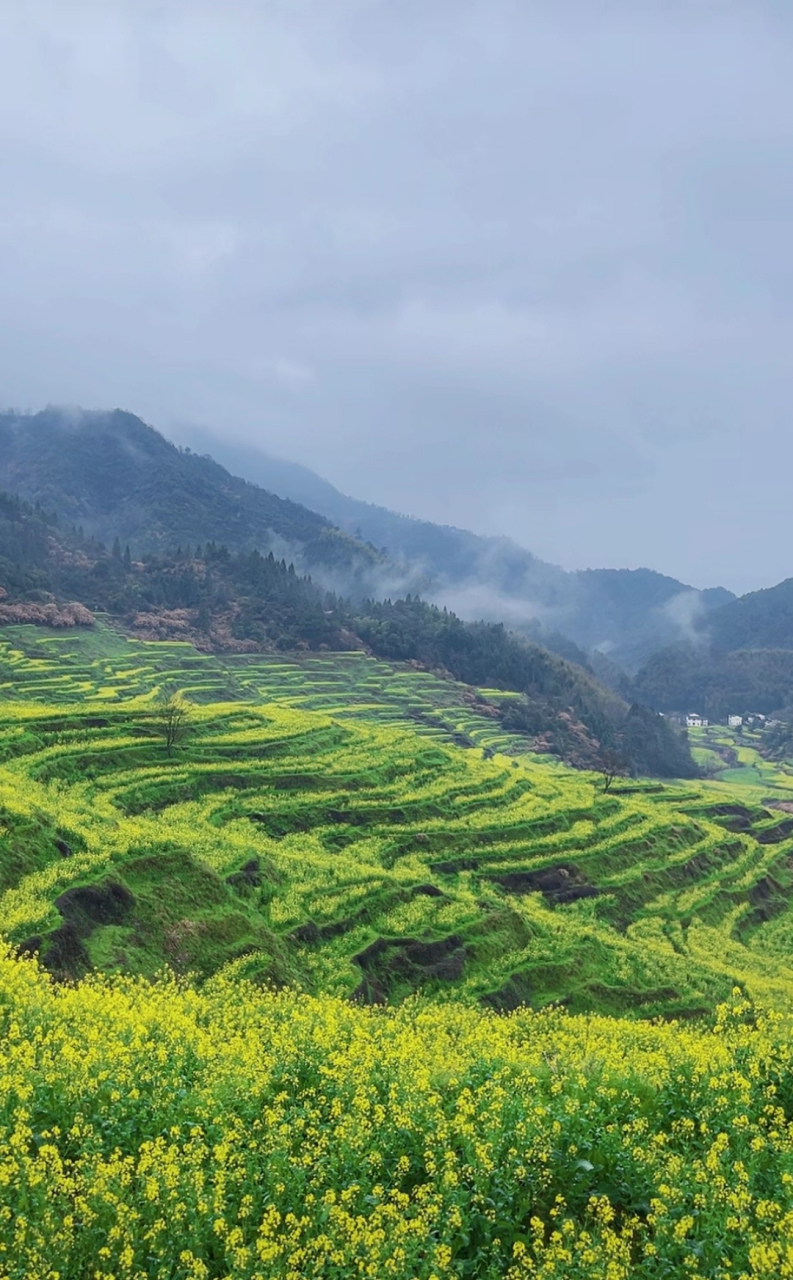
{"x": 694, "y": 721}
{"x": 735, "y": 722}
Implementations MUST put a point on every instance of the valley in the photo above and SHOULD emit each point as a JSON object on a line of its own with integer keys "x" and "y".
{"x": 396, "y": 641}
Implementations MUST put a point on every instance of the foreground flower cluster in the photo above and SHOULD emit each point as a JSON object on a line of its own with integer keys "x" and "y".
{"x": 152, "y": 1130}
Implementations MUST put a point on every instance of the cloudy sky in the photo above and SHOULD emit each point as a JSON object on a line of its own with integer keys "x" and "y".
{"x": 525, "y": 266}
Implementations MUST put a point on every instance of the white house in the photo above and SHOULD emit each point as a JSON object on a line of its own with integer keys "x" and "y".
{"x": 735, "y": 722}
{"x": 693, "y": 721}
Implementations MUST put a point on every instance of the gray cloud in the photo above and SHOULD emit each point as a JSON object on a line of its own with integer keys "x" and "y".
{"x": 524, "y": 268}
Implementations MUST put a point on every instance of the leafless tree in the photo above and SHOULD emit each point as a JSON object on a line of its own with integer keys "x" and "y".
{"x": 612, "y": 767}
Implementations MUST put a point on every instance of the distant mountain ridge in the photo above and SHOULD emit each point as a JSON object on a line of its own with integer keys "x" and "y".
{"x": 740, "y": 660}
{"x": 759, "y": 620}
{"x": 625, "y": 613}
{"x": 115, "y": 477}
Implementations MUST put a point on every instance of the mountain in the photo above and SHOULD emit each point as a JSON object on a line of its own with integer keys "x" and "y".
{"x": 625, "y": 613}
{"x": 759, "y": 620}
{"x": 115, "y": 477}
{"x": 741, "y": 660}
{"x": 225, "y": 601}
{"x": 696, "y": 678}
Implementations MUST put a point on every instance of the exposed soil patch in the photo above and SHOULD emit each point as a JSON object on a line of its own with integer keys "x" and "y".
{"x": 700, "y": 865}
{"x": 457, "y": 864}
{"x": 559, "y": 884}
{"x": 515, "y": 993}
{"x": 276, "y": 826}
{"x": 391, "y": 963}
{"x": 735, "y": 817}
{"x": 248, "y": 877}
{"x": 66, "y": 958}
{"x": 727, "y": 753}
{"x": 775, "y": 835}
{"x": 89, "y": 905}
{"x": 83, "y": 909}
{"x": 767, "y": 899}
{"x": 310, "y": 933}
{"x": 31, "y": 946}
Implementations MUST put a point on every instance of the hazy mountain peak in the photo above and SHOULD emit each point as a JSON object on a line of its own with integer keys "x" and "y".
{"x": 627, "y": 613}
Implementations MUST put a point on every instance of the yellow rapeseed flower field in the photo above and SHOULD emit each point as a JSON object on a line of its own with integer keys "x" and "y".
{"x": 151, "y": 1130}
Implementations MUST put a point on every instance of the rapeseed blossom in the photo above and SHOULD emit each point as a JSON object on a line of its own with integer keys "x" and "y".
{"x": 152, "y": 1130}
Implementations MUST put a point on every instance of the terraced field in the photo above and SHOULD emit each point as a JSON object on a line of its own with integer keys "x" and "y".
{"x": 734, "y": 759}
{"x": 352, "y": 827}
{"x": 89, "y": 667}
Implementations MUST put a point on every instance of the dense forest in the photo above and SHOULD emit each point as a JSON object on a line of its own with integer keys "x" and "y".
{"x": 699, "y": 678}
{"x": 244, "y": 600}
{"x": 114, "y": 476}
{"x": 741, "y": 662}
{"x": 759, "y": 620}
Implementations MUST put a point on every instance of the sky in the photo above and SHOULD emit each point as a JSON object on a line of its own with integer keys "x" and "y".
{"x": 522, "y": 266}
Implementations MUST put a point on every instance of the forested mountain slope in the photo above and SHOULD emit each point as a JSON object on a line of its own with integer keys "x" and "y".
{"x": 115, "y": 477}
{"x": 741, "y": 660}
{"x": 759, "y": 620}
{"x": 715, "y": 684}
{"x": 626, "y": 613}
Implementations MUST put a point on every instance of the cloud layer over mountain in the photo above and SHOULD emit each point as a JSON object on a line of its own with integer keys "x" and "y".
{"x": 523, "y": 268}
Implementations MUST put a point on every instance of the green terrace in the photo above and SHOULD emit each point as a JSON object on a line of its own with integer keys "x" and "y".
{"x": 366, "y": 829}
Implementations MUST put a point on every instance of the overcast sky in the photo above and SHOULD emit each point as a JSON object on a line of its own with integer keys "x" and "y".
{"x": 525, "y": 267}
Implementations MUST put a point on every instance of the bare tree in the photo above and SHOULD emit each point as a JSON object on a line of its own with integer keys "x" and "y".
{"x": 173, "y": 718}
{"x": 613, "y": 766}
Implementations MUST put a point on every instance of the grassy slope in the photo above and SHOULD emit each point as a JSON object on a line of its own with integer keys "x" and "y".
{"x": 333, "y": 822}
